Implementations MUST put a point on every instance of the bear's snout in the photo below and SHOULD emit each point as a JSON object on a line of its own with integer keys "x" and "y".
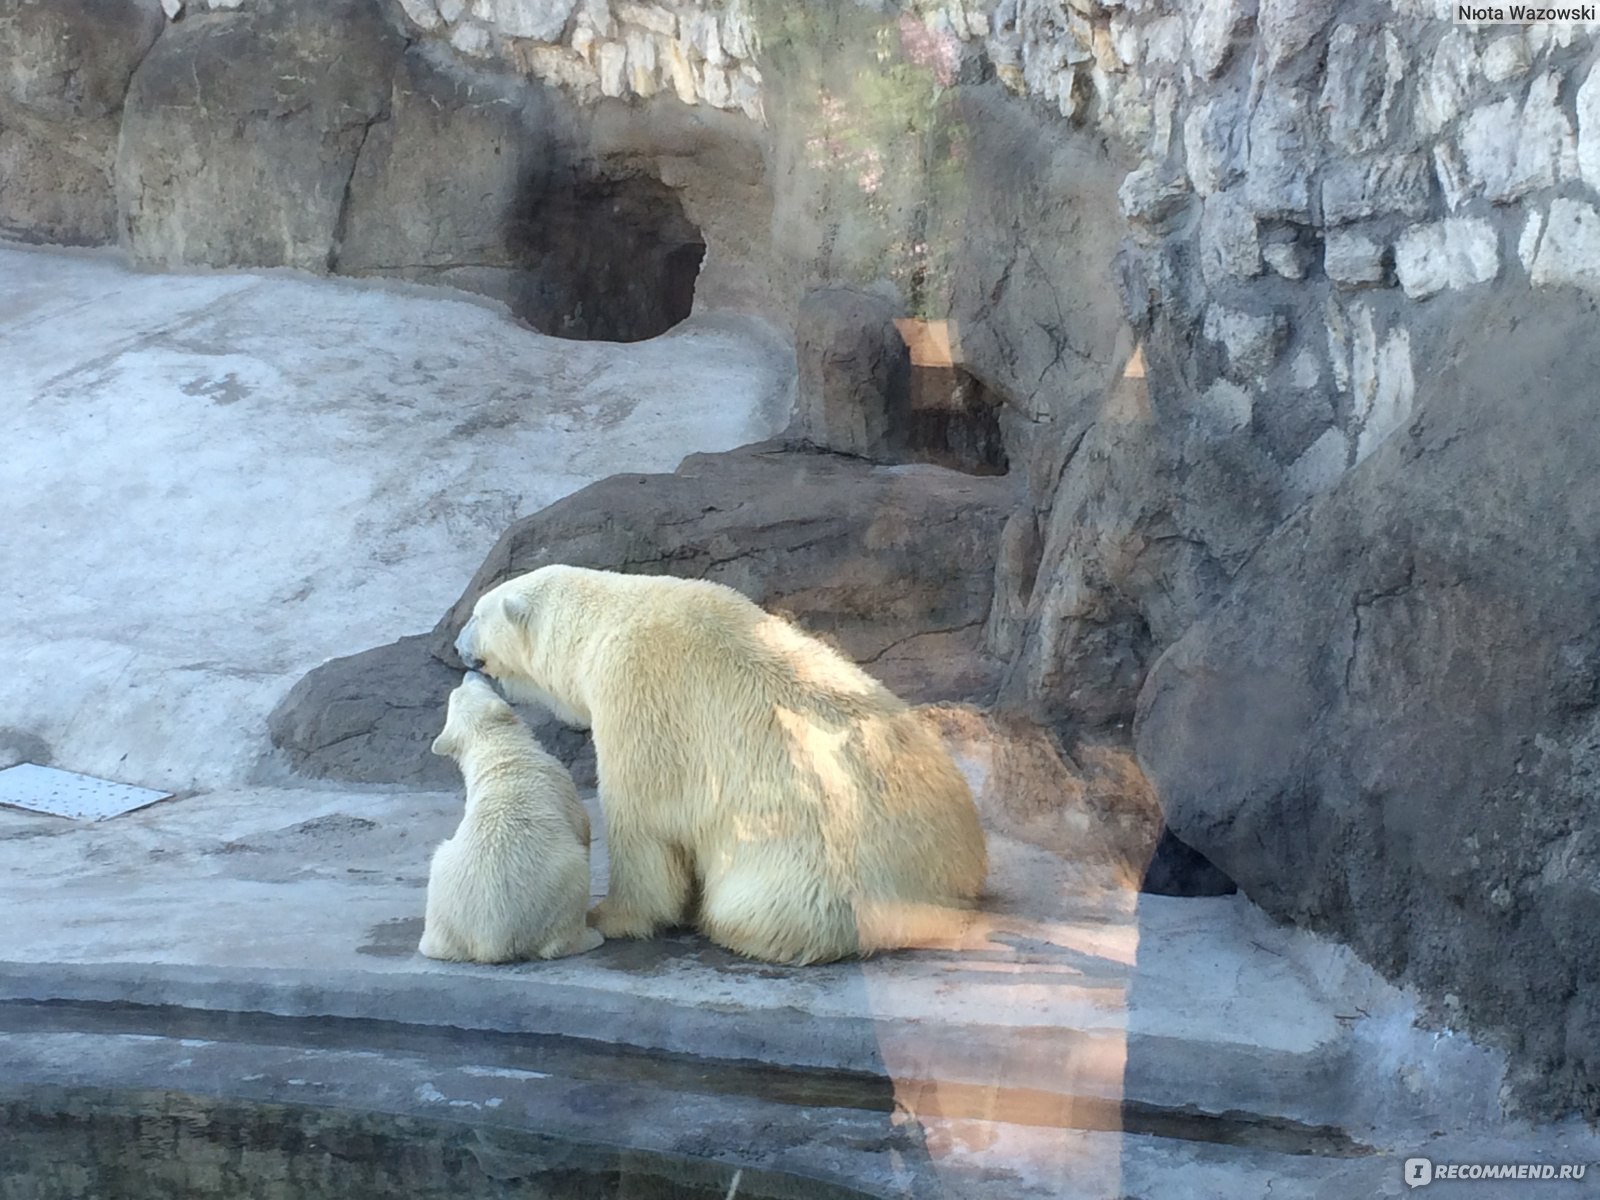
{"x": 464, "y": 646}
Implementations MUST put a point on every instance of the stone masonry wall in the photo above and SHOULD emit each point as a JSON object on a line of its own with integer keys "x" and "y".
{"x": 1310, "y": 168}
{"x": 1311, "y": 176}
{"x": 702, "y": 53}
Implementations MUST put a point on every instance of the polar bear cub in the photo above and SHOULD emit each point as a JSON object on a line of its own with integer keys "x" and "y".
{"x": 755, "y": 782}
{"x": 513, "y": 882}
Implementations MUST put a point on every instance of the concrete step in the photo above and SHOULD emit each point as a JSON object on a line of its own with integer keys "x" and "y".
{"x": 1074, "y": 1033}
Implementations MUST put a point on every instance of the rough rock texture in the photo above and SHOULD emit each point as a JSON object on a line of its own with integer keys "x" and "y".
{"x": 436, "y": 182}
{"x": 290, "y": 133}
{"x": 370, "y": 718}
{"x": 1292, "y": 202}
{"x": 487, "y": 182}
{"x": 846, "y": 548}
{"x": 918, "y": 177}
{"x": 853, "y": 366}
{"x": 714, "y": 164}
{"x": 64, "y": 70}
{"x": 227, "y": 108}
{"x": 897, "y": 172}
{"x": 1153, "y": 510}
{"x": 699, "y": 52}
{"x": 73, "y": 58}
{"x": 1396, "y": 709}
{"x": 892, "y": 564}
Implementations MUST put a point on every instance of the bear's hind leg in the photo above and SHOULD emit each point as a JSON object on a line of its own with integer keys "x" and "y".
{"x": 760, "y": 917}
{"x": 651, "y": 885}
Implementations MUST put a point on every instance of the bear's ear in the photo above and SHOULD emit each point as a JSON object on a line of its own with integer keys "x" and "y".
{"x": 446, "y": 745}
{"x": 518, "y": 609}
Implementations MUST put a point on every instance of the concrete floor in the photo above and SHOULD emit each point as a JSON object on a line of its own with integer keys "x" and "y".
{"x": 214, "y": 482}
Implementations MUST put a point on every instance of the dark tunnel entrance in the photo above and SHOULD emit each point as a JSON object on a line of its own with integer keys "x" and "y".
{"x": 605, "y": 259}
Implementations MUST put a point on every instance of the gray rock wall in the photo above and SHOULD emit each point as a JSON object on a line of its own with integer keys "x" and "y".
{"x": 1390, "y": 726}
{"x": 226, "y": 107}
{"x": 1310, "y": 175}
{"x": 64, "y": 70}
{"x": 1334, "y": 540}
{"x": 343, "y": 137}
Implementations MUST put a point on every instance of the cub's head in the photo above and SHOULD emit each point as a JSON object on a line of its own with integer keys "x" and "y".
{"x": 522, "y": 634}
{"x": 474, "y": 708}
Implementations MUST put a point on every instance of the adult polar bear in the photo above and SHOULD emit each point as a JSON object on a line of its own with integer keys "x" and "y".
{"x": 753, "y": 780}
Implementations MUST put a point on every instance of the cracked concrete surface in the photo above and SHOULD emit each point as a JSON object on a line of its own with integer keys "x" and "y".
{"x": 214, "y": 482}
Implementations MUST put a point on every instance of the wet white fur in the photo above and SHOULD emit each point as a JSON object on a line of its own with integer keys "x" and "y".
{"x": 513, "y": 882}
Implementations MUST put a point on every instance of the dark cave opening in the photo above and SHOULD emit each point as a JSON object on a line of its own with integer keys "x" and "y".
{"x": 605, "y": 259}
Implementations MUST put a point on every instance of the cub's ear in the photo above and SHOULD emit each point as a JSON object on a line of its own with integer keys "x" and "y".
{"x": 518, "y": 609}
{"x": 446, "y": 745}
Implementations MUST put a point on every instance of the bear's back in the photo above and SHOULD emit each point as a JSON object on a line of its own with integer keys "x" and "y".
{"x": 696, "y": 635}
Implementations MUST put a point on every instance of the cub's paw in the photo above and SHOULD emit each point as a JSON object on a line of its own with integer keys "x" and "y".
{"x": 436, "y": 945}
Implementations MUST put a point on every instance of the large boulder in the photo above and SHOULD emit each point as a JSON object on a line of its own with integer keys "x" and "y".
{"x": 370, "y": 717}
{"x": 893, "y": 564}
{"x": 287, "y": 133}
{"x": 1389, "y": 728}
{"x": 853, "y": 364}
{"x": 64, "y": 71}
{"x": 242, "y": 128}
{"x": 886, "y": 561}
{"x": 73, "y": 58}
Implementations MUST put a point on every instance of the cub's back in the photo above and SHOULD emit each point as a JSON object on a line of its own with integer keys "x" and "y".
{"x": 514, "y": 784}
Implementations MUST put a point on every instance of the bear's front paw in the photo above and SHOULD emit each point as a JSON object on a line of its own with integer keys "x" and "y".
{"x": 617, "y": 922}
{"x": 434, "y": 945}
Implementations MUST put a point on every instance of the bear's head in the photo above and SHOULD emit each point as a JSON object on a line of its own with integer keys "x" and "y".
{"x": 474, "y": 708}
{"x": 495, "y": 635}
{"x": 524, "y": 635}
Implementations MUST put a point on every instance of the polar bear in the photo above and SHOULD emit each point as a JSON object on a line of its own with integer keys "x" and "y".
{"x": 754, "y": 781}
{"x": 514, "y": 880}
